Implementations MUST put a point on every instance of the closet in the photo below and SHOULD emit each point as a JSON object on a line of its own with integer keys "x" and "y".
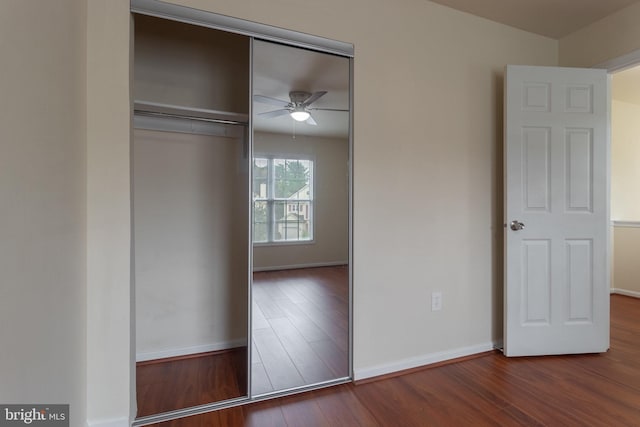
{"x": 207, "y": 280}
{"x": 191, "y": 178}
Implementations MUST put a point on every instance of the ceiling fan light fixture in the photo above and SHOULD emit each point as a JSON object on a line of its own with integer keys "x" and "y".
{"x": 300, "y": 115}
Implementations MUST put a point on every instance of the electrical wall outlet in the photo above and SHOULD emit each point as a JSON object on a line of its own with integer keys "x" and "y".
{"x": 436, "y": 301}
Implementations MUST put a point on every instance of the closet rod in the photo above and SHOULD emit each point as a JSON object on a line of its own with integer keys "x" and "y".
{"x": 179, "y": 116}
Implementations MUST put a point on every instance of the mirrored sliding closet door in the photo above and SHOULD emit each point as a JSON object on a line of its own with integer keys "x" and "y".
{"x": 300, "y": 290}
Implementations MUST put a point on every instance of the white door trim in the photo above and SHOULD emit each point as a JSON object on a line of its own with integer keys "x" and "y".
{"x": 620, "y": 63}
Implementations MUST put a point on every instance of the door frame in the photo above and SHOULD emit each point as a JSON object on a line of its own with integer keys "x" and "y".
{"x": 620, "y": 63}
{"x": 612, "y": 66}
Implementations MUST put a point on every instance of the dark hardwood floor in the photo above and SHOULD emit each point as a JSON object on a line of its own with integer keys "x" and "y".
{"x": 579, "y": 390}
{"x": 300, "y": 327}
{"x": 178, "y": 383}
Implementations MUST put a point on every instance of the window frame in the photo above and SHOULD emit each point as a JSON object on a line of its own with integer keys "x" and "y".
{"x": 271, "y": 200}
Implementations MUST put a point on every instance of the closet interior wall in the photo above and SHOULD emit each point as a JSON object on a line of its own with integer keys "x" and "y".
{"x": 190, "y": 191}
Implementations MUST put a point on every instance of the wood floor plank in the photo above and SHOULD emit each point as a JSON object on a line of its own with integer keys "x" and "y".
{"x": 305, "y": 324}
{"x": 231, "y": 417}
{"x": 277, "y": 363}
{"x": 334, "y": 357}
{"x": 341, "y": 407}
{"x": 263, "y": 414}
{"x": 291, "y": 291}
{"x": 259, "y": 321}
{"x": 303, "y": 412}
{"x": 260, "y": 383}
{"x": 266, "y": 303}
{"x": 513, "y": 416}
{"x": 335, "y": 328}
{"x": 308, "y": 364}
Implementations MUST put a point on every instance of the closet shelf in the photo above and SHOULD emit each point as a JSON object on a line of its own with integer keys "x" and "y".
{"x": 189, "y": 112}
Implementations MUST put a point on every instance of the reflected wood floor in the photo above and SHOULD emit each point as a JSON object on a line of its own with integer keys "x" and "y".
{"x": 579, "y": 390}
{"x": 300, "y": 327}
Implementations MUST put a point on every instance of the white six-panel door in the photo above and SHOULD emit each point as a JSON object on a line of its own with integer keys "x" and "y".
{"x": 556, "y": 211}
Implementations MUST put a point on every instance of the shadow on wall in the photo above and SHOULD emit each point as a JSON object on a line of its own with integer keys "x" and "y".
{"x": 497, "y": 249}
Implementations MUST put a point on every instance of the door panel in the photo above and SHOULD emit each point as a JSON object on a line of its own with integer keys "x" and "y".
{"x": 579, "y": 149}
{"x": 537, "y": 156}
{"x": 580, "y": 280}
{"x": 556, "y": 195}
{"x": 536, "y": 282}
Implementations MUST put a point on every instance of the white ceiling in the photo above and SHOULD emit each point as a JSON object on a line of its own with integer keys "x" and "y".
{"x": 551, "y": 18}
{"x": 278, "y": 70}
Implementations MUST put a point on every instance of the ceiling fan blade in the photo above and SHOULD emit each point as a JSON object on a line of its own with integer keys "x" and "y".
{"x": 313, "y": 98}
{"x": 311, "y": 122}
{"x": 327, "y": 109}
{"x": 274, "y": 113}
{"x": 271, "y": 101}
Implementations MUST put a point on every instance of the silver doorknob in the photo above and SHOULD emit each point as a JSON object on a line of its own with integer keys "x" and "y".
{"x": 516, "y": 225}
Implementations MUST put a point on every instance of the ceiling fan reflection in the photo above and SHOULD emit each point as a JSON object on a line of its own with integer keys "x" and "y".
{"x": 298, "y": 107}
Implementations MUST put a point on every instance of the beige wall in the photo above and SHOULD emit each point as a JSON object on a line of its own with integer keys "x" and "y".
{"x": 191, "y": 232}
{"x": 625, "y": 161}
{"x": 110, "y": 339}
{"x": 625, "y": 194}
{"x": 616, "y": 35}
{"x": 42, "y": 203}
{"x": 626, "y": 269}
{"x": 331, "y": 202}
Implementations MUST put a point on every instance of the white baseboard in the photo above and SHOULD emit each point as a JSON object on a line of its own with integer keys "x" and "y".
{"x": 424, "y": 360}
{"x": 113, "y": 422}
{"x": 294, "y": 266}
{"x": 183, "y": 351}
{"x": 625, "y": 292}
